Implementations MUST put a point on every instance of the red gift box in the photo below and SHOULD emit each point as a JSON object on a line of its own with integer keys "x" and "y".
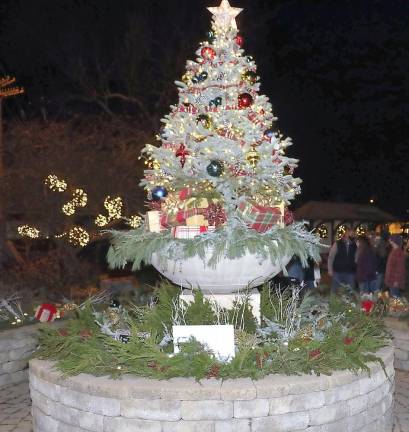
{"x": 46, "y": 313}
{"x": 189, "y": 232}
{"x": 258, "y": 217}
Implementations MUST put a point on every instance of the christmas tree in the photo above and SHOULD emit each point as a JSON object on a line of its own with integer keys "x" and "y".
{"x": 220, "y": 180}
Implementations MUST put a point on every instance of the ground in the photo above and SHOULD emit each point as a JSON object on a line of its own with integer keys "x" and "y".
{"x": 15, "y": 406}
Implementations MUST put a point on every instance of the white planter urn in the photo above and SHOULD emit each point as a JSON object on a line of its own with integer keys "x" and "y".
{"x": 229, "y": 275}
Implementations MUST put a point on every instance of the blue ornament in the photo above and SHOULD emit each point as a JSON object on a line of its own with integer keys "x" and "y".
{"x": 114, "y": 304}
{"x": 158, "y": 193}
{"x": 269, "y": 134}
{"x": 195, "y": 79}
{"x": 203, "y": 76}
{"x": 215, "y": 168}
{"x": 218, "y": 101}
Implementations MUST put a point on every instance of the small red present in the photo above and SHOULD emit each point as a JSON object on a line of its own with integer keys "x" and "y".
{"x": 367, "y": 306}
{"x": 46, "y": 313}
{"x": 189, "y": 232}
{"x": 258, "y": 217}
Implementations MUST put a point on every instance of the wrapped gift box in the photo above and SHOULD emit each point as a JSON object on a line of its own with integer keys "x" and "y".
{"x": 153, "y": 221}
{"x": 189, "y": 232}
{"x": 196, "y": 220}
{"x": 258, "y": 217}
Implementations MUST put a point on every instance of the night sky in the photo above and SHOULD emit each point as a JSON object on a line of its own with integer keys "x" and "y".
{"x": 337, "y": 73}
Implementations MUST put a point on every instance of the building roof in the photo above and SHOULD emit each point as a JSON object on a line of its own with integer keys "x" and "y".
{"x": 326, "y": 211}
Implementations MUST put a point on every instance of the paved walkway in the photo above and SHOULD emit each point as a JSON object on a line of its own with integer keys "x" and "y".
{"x": 15, "y": 406}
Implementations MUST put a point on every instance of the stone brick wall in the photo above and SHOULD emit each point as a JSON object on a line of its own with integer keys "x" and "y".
{"x": 400, "y": 333}
{"x": 277, "y": 403}
{"x": 16, "y": 346}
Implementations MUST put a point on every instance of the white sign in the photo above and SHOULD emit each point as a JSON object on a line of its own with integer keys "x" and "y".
{"x": 217, "y": 338}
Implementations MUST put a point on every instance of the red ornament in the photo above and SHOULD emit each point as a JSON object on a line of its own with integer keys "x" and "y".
{"x": 245, "y": 100}
{"x": 348, "y": 340}
{"x": 314, "y": 354}
{"x": 239, "y": 39}
{"x": 208, "y": 53}
{"x": 288, "y": 217}
{"x": 367, "y": 306}
{"x": 182, "y": 153}
{"x": 185, "y": 193}
{"x": 216, "y": 215}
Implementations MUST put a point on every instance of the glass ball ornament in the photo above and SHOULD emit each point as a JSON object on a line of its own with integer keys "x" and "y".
{"x": 253, "y": 157}
{"x": 239, "y": 39}
{"x": 250, "y": 76}
{"x": 268, "y": 134}
{"x": 159, "y": 193}
{"x": 203, "y": 76}
{"x": 114, "y": 303}
{"x": 211, "y": 36}
{"x": 245, "y": 100}
{"x": 215, "y": 168}
{"x": 208, "y": 53}
{"x": 195, "y": 79}
{"x": 204, "y": 120}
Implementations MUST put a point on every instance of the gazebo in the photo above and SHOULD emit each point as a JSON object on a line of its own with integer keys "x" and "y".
{"x": 330, "y": 219}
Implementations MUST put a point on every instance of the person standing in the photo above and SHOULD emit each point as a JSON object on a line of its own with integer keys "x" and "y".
{"x": 365, "y": 267}
{"x": 381, "y": 253}
{"x": 341, "y": 261}
{"x": 395, "y": 267}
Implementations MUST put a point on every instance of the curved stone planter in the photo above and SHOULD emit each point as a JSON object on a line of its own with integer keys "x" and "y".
{"x": 341, "y": 402}
{"x": 228, "y": 275}
{"x": 16, "y": 346}
{"x": 400, "y": 333}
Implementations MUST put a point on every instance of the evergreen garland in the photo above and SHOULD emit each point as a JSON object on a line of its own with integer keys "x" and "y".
{"x": 350, "y": 339}
{"x": 233, "y": 240}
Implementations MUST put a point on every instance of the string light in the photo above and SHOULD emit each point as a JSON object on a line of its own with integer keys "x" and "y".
{"x": 68, "y": 208}
{"x": 341, "y": 230}
{"x": 79, "y": 198}
{"x": 78, "y": 236}
{"x": 135, "y": 221}
{"x": 114, "y": 207}
{"x": 101, "y": 220}
{"x": 322, "y": 231}
{"x": 55, "y": 184}
{"x": 28, "y": 231}
{"x": 6, "y": 91}
{"x": 360, "y": 230}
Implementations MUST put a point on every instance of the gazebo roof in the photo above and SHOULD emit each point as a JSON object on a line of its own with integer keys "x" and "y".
{"x": 326, "y": 211}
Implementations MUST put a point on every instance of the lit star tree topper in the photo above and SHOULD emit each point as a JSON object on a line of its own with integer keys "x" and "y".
{"x": 225, "y": 16}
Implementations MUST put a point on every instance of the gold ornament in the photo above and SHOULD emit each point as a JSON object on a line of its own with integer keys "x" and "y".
{"x": 204, "y": 120}
{"x": 171, "y": 203}
{"x": 265, "y": 200}
{"x": 306, "y": 334}
{"x": 198, "y": 138}
{"x": 253, "y": 157}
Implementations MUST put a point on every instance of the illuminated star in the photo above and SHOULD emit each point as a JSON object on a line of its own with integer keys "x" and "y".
{"x": 224, "y": 15}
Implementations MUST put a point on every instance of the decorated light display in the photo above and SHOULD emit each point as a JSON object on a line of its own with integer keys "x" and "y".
{"x": 341, "y": 230}
{"x": 322, "y": 231}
